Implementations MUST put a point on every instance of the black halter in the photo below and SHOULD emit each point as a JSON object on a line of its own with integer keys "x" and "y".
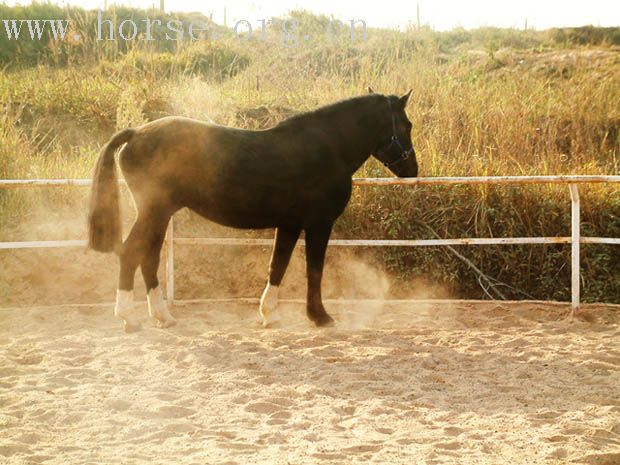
{"x": 394, "y": 141}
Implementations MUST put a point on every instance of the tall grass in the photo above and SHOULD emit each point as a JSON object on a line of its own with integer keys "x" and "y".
{"x": 484, "y": 102}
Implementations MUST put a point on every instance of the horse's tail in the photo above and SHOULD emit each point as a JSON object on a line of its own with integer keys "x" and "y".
{"x": 104, "y": 217}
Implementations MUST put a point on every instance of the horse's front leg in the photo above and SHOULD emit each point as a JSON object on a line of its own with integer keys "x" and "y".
{"x": 282, "y": 250}
{"x": 317, "y": 238}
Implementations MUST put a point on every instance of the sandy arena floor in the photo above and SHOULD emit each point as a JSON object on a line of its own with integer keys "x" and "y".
{"x": 466, "y": 383}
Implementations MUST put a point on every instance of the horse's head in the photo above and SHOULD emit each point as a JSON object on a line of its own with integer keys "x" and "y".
{"x": 395, "y": 150}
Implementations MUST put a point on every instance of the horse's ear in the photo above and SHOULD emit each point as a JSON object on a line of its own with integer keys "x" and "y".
{"x": 403, "y": 100}
{"x": 370, "y": 91}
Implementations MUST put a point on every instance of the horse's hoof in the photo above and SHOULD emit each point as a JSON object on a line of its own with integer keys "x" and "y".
{"x": 268, "y": 304}
{"x": 132, "y": 326}
{"x": 270, "y": 318}
{"x": 264, "y": 313}
{"x": 167, "y": 323}
{"x": 163, "y": 318}
{"x": 324, "y": 321}
{"x": 158, "y": 308}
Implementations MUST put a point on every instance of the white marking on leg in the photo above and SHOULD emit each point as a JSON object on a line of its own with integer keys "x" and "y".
{"x": 158, "y": 308}
{"x": 269, "y": 303}
{"x": 124, "y": 308}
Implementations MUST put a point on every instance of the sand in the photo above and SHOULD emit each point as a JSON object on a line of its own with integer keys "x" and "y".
{"x": 462, "y": 382}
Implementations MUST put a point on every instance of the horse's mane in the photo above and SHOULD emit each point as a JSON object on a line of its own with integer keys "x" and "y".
{"x": 348, "y": 105}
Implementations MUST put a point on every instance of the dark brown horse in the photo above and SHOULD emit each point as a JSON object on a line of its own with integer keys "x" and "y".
{"x": 295, "y": 176}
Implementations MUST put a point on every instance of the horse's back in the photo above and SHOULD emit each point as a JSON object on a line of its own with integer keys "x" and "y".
{"x": 236, "y": 177}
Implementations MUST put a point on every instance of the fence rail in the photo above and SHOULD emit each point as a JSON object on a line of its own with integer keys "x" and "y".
{"x": 559, "y": 179}
{"x": 575, "y": 239}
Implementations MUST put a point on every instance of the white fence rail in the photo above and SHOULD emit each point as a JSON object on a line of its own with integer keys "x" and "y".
{"x": 575, "y": 239}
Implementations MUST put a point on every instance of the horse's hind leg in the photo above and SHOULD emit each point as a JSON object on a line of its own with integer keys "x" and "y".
{"x": 282, "y": 250}
{"x": 143, "y": 238}
{"x": 130, "y": 256}
{"x": 158, "y": 308}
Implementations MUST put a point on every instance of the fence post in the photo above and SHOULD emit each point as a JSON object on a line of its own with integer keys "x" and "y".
{"x": 575, "y": 246}
{"x": 170, "y": 262}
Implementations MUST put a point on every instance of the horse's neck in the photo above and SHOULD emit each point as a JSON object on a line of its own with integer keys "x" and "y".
{"x": 353, "y": 132}
{"x": 357, "y": 136}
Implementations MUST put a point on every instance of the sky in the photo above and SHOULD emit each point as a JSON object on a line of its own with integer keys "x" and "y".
{"x": 439, "y": 14}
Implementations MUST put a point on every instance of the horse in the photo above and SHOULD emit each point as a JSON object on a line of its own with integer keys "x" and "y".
{"x": 294, "y": 176}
